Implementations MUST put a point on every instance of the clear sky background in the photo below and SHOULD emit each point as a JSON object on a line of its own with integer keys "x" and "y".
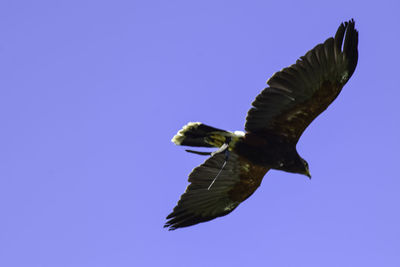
{"x": 91, "y": 92}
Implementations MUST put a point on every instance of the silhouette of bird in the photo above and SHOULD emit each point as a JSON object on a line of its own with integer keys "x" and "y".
{"x": 295, "y": 96}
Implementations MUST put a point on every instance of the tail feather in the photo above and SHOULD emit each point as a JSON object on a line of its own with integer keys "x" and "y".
{"x": 198, "y": 134}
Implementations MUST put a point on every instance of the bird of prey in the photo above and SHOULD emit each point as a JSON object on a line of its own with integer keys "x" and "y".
{"x": 295, "y": 96}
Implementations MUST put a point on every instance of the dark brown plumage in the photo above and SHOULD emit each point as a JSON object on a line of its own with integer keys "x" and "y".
{"x": 279, "y": 115}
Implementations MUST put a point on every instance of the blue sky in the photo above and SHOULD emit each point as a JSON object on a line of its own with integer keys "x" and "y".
{"x": 91, "y": 92}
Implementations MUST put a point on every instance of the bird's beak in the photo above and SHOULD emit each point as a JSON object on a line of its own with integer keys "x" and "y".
{"x": 308, "y": 174}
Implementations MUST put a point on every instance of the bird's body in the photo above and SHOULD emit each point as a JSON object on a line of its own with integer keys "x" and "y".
{"x": 271, "y": 151}
{"x": 281, "y": 112}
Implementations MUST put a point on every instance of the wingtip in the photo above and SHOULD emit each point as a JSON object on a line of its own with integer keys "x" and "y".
{"x": 350, "y": 25}
{"x": 349, "y": 22}
{"x": 350, "y": 46}
{"x": 346, "y": 43}
{"x": 169, "y": 227}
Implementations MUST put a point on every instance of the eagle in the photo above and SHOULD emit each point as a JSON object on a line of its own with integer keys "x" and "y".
{"x": 294, "y": 97}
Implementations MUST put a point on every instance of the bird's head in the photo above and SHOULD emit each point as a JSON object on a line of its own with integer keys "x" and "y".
{"x": 296, "y": 165}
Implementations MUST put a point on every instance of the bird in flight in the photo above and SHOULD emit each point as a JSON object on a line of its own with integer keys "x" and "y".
{"x": 295, "y": 96}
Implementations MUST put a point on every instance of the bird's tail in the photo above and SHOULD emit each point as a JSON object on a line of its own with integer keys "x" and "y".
{"x": 198, "y": 134}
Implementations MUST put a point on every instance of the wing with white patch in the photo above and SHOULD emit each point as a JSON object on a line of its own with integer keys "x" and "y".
{"x": 236, "y": 181}
{"x": 298, "y": 94}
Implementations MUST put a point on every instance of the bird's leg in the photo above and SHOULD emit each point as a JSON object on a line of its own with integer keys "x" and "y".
{"x": 198, "y": 152}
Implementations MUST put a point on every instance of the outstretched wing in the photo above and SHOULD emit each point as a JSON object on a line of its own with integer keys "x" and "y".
{"x": 298, "y": 94}
{"x": 237, "y": 180}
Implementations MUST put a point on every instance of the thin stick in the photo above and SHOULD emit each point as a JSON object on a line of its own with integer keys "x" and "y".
{"x": 223, "y": 165}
